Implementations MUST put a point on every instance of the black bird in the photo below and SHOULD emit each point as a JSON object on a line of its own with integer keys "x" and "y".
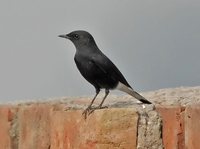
{"x": 98, "y": 69}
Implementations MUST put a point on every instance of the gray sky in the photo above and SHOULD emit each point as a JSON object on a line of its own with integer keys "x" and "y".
{"x": 154, "y": 43}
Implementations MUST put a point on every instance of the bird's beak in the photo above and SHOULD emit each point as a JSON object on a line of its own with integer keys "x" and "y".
{"x": 64, "y": 36}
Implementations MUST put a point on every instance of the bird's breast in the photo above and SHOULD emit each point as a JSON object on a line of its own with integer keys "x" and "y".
{"x": 85, "y": 65}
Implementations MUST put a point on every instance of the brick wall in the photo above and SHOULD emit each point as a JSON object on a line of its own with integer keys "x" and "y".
{"x": 59, "y": 124}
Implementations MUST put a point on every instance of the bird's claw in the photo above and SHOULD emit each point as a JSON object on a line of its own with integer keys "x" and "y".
{"x": 86, "y": 111}
{"x": 89, "y": 110}
{"x": 96, "y": 108}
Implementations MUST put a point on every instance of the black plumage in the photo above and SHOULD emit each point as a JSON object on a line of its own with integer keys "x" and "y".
{"x": 97, "y": 68}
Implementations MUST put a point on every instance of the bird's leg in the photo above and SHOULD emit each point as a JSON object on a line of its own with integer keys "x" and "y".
{"x": 106, "y": 94}
{"x": 100, "y": 106}
{"x": 87, "y": 110}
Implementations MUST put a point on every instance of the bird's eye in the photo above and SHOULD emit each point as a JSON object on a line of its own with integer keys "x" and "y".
{"x": 76, "y": 36}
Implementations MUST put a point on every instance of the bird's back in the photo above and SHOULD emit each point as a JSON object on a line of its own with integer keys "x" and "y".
{"x": 111, "y": 69}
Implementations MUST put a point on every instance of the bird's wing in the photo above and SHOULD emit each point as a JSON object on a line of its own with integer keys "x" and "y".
{"x": 107, "y": 66}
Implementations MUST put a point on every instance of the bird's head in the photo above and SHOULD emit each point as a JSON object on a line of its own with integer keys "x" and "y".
{"x": 80, "y": 38}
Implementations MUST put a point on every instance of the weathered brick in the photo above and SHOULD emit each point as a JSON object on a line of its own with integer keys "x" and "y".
{"x": 34, "y": 126}
{"x": 173, "y": 128}
{"x": 7, "y": 114}
{"x": 192, "y": 127}
{"x": 104, "y": 129}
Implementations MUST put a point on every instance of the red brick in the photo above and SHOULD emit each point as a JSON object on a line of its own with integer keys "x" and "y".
{"x": 34, "y": 126}
{"x": 103, "y": 129}
{"x": 192, "y": 127}
{"x": 7, "y": 114}
{"x": 173, "y": 127}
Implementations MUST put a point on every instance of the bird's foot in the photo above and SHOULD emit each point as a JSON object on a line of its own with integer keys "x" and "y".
{"x": 96, "y": 108}
{"x": 89, "y": 110}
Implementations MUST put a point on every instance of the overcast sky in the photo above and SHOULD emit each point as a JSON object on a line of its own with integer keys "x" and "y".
{"x": 154, "y": 43}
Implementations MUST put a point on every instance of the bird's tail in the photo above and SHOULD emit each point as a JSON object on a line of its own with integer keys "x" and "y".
{"x": 131, "y": 92}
